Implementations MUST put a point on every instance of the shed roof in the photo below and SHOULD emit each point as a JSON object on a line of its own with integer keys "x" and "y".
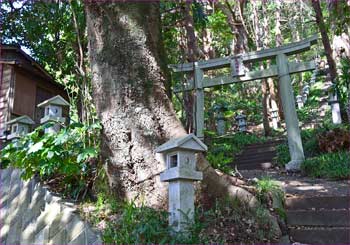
{"x": 188, "y": 142}
{"x": 33, "y": 63}
{"x": 56, "y": 100}
{"x": 22, "y": 119}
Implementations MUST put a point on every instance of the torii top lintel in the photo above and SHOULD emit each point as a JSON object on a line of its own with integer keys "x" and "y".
{"x": 287, "y": 49}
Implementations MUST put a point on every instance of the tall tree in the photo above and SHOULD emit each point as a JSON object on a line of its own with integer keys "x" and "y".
{"x": 130, "y": 98}
{"x": 260, "y": 36}
{"x": 325, "y": 39}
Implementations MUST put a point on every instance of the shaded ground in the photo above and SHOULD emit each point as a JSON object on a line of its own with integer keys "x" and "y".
{"x": 299, "y": 185}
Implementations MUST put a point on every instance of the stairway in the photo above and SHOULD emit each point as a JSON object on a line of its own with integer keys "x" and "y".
{"x": 256, "y": 156}
{"x": 319, "y": 219}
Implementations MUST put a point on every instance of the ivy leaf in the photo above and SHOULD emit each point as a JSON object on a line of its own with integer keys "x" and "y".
{"x": 36, "y": 147}
{"x": 87, "y": 153}
{"x": 50, "y": 154}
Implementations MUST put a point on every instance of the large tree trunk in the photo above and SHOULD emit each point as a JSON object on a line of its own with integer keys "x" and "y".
{"x": 136, "y": 114}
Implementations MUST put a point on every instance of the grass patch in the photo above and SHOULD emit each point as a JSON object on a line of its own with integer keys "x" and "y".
{"x": 227, "y": 222}
{"x": 335, "y": 165}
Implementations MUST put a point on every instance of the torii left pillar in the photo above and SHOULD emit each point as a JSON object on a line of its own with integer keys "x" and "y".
{"x": 199, "y": 106}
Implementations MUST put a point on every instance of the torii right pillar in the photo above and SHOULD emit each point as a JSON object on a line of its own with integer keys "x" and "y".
{"x": 286, "y": 91}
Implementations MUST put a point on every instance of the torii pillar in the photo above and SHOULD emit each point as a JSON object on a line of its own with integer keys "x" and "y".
{"x": 293, "y": 132}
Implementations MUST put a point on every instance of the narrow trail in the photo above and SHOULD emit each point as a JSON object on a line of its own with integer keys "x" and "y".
{"x": 317, "y": 210}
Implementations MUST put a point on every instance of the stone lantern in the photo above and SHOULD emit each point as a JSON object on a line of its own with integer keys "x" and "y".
{"x": 181, "y": 173}
{"x": 304, "y": 97}
{"x": 53, "y": 112}
{"x": 242, "y": 123}
{"x": 335, "y": 107}
{"x": 220, "y": 119}
{"x": 306, "y": 89}
{"x": 274, "y": 116}
{"x": 20, "y": 126}
{"x": 300, "y": 101}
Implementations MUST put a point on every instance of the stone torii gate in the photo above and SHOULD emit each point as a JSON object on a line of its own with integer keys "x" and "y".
{"x": 282, "y": 70}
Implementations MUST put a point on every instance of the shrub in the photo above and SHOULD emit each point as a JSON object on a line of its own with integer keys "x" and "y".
{"x": 227, "y": 222}
{"x": 331, "y": 165}
{"x": 282, "y": 155}
{"x": 65, "y": 155}
{"x": 334, "y": 140}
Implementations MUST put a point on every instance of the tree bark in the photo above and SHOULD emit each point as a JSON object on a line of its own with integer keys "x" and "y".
{"x": 279, "y": 42}
{"x": 131, "y": 102}
{"x": 325, "y": 40}
{"x": 260, "y": 41}
{"x": 193, "y": 54}
{"x": 240, "y": 40}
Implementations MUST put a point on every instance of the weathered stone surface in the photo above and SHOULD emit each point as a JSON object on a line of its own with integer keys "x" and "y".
{"x": 30, "y": 214}
{"x": 28, "y": 234}
{"x": 42, "y": 237}
{"x": 61, "y": 220}
{"x": 5, "y": 228}
{"x": 13, "y": 234}
{"x": 74, "y": 228}
{"x": 59, "y": 237}
{"x": 80, "y": 239}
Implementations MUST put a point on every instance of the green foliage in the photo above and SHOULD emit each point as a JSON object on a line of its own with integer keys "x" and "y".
{"x": 318, "y": 164}
{"x": 65, "y": 154}
{"x": 331, "y": 165}
{"x": 223, "y": 149}
{"x": 343, "y": 83}
{"x": 220, "y": 161}
{"x": 126, "y": 223}
{"x": 138, "y": 225}
{"x": 282, "y": 155}
{"x": 266, "y": 186}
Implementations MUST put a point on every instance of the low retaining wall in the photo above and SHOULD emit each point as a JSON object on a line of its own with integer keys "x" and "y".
{"x": 30, "y": 214}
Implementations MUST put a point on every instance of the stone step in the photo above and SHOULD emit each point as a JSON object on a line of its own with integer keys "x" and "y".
{"x": 253, "y": 161}
{"x": 339, "y": 235}
{"x": 259, "y": 150}
{"x": 319, "y": 218}
{"x": 256, "y": 156}
{"x": 271, "y": 142}
{"x": 253, "y": 166}
{"x": 320, "y": 202}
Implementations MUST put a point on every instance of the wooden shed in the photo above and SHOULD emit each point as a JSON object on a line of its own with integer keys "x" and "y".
{"x": 23, "y": 85}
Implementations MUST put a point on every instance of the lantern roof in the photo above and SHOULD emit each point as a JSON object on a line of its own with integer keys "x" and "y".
{"x": 56, "y": 100}
{"x": 22, "y": 119}
{"x": 240, "y": 116}
{"x": 189, "y": 142}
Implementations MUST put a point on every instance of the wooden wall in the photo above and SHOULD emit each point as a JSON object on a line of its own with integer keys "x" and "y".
{"x": 30, "y": 90}
{"x": 6, "y": 76}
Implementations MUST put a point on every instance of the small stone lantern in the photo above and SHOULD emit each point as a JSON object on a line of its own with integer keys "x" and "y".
{"x": 304, "y": 97}
{"x": 20, "y": 126}
{"x": 335, "y": 107}
{"x": 181, "y": 173}
{"x": 300, "y": 101}
{"x": 220, "y": 119}
{"x": 53, "y": 112}
{"x": 274, "y": 116}
{"x": 242, "y": 123}
{"x": 306, "y": 89}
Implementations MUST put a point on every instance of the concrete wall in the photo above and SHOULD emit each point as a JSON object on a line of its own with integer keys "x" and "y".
{"x": 30, "y": 214}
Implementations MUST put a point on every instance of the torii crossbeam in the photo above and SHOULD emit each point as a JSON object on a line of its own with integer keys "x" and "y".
{"x": 282, "y": 70}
